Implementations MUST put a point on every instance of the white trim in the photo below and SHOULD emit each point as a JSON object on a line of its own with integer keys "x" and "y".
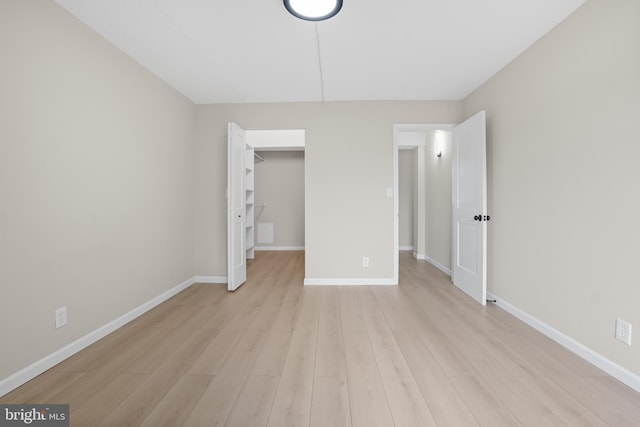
{"x": 407, "y": 248}
{"x": 437, "y": 265}
{"x": 210, "y": 279}
{"x": 350, "y": 282}
{"x": 278, "y": 248}
{"x": 416, "y": 255}
{"x": 418, "y": 127}
{"x": 276, "y": 139}
{"x": 622, "y": 374}
{"x": 396, "y": 206}
{"x": 19, "y": 378}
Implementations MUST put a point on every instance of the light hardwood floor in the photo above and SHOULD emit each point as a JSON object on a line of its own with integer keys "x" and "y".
{"x": 276, "y": 353}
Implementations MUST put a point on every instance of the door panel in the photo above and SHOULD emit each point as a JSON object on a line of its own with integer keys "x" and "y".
{"x": 468, "y": 238}
{"x": 469, "y": 185}
{"x": 236, "y": 259}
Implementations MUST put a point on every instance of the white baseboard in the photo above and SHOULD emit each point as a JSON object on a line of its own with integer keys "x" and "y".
{"x": 439, "y": 266}
{"x": 210, "y": 279}
{"x": 278, "y": 248}
{"x": 620, "y": 373}
{"x": 16, "y": 380}
{"x": 407, "y": 248}
{"x": 433, "y": 262}
{"x": 349, "y": 282}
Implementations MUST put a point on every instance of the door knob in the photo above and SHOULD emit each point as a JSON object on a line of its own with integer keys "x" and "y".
{"x": 477, "y": 217}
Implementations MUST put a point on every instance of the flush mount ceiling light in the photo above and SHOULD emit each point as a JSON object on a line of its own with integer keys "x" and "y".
{"x": 313, "y": 10}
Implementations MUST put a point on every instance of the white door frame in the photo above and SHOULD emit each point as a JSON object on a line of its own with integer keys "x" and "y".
{"x": 397, "y": 128}
{"x": 268, "y": 140}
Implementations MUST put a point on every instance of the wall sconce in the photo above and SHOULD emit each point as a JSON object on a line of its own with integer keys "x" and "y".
{"x": 438, "y": 144}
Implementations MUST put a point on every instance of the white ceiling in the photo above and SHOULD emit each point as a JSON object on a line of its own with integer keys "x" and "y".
{"x": 216, "y": 51}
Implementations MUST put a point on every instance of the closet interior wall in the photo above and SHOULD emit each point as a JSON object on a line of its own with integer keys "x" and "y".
{"x": 279, "y": 200}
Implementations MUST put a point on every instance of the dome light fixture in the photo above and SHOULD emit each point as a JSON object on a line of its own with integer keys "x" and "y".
{"x": 313, "y": 10}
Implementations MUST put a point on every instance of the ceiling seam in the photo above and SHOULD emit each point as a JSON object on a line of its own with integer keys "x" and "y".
{"x": 203, "y": 56}
{"x": 319, "y": 64}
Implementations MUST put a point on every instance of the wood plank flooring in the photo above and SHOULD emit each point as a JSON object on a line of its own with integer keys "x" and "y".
{"x": 275, "y": 353}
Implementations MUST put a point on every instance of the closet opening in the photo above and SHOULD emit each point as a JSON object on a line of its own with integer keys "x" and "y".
{"x": 278, "y": 216}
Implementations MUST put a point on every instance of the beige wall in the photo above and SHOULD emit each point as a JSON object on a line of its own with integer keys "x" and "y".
{"x": 96, "y": 182}
{"x": 349, "y": 165}
{"x": 419, "y": 199}
{"x": 438, "y": 199}
{"x": 279, "y": 184}
{"x": 405, "y": 197}
{"x": 563, "y": 151}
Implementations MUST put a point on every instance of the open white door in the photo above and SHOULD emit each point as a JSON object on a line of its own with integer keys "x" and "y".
{"x": 236, "y": 208}
{"x": 469, "y": 187}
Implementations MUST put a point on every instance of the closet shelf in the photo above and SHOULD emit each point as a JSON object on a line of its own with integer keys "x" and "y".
{"x": 249, "y": 201}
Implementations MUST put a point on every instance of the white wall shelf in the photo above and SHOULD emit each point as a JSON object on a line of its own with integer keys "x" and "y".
{"x": 249, "y": 203}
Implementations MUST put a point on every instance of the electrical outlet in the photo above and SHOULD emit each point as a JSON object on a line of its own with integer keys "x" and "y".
{"x": 61, "y": 317}
{"x": 623, "y": 331}
{"x": 365, "y": 261}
